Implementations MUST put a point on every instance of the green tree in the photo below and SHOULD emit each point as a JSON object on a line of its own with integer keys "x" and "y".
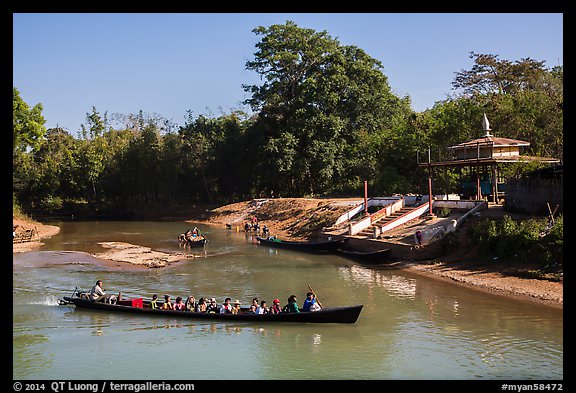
{"x": 317, "y": 98}
{"x": 523, "y": 98}
{"x": 28, "y": 123}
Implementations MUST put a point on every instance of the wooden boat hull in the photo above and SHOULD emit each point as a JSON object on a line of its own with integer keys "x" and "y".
{"x": 332, "y": 245}
{"x": 197, "y": 243}
{"x": 369, "y": 257}
{"x": 347, "y": 314}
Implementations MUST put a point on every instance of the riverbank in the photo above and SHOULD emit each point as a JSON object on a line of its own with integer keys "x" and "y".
{"x": 302, "y": 218}
{"x": 289, "y": 218}
{"x": 44, "y": 232}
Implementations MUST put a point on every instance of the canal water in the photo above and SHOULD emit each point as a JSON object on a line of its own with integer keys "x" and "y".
{"x": 411, "y": 327}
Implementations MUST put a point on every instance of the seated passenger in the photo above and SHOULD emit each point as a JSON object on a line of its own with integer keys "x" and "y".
{"x": 292, "y": 305}
{"x": 213, "y": 306}
{"x": 190, "y": 303}
{"x": 262, "y": 309}
{"x": 226, "y": 307}
{"x": 275, "y": 309}
{"x": 154, "y": 302}
{"x": 236, "y": 308}
{"x": 252, "y": 309}
{"x": 179, "y": 305}
{"x": 201, "y": 306}
{"x": 167, "y": 305}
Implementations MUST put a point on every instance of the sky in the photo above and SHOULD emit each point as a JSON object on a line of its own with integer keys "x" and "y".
{"x": 169, "y": 64}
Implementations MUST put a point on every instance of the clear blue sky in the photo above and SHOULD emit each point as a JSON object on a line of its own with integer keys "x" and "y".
{"x": 170, "y": 63}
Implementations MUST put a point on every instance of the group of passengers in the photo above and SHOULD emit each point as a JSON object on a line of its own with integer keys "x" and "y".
{"x": 255, "y": 227}
{"x": 211, "y": 306}
{"x": 189, "y": 235}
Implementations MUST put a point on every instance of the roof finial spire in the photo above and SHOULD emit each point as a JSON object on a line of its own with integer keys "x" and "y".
{"x": 486, "y": 125}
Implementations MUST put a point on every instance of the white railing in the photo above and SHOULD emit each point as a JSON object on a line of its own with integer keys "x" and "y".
{"x": 412, "y": 214}
{"x": 349, "y": 214}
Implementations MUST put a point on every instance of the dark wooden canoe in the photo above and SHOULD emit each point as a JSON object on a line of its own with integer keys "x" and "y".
{"x": 347, "y": 314}
{"x": 331, "y": 245}
{"x": 200, "y": 242}
{"x": 368, "y": 257}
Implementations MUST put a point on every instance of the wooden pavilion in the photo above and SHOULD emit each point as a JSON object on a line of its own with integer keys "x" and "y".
{"x": 482, "y": 156}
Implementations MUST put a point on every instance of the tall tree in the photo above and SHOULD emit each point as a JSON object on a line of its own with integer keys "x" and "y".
{"x": 316, "y": 96}
{"x": 489, "y": 74}
{"x": 28, "y": 123}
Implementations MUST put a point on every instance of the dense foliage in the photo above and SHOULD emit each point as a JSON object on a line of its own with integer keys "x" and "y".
{"x": 523, "y": 240}
{"x": 324, "y": 120}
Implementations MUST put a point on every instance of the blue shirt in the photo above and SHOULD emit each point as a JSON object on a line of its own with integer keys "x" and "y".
{"x": 307, "y": 304}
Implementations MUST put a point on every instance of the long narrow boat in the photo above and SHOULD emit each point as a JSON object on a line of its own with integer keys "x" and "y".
{"x": 331, "y": 245}
{"x": 368, "y": 257}
{"x": 346, "y": 314}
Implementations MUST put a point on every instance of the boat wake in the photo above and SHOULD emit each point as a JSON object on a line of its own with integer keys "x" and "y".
{"x": 47, "y": 301}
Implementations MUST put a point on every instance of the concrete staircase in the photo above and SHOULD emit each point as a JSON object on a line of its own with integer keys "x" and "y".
{"x": 369, "y": 232}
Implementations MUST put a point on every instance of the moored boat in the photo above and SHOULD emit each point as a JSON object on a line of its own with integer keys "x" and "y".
{"x": 345, "y": 314}
{"x": 330, "y": 245}
{"x": 368, "y": 257}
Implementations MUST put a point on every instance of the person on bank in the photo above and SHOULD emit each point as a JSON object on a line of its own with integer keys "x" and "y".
{"x": 97, "y": 294}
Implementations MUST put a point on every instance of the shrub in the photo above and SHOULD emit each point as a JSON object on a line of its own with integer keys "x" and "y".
{"x": 525, "y": 240}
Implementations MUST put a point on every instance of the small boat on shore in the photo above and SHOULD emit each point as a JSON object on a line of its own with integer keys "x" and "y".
{"x": 368, "y": 257}
{"x": 330, "y": 245}
{"x": 345, "y": 314}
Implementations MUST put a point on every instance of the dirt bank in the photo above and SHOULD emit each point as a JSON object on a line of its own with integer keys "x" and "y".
{"x": 294, "y": 218}
{"x": 299, "y": 218}
{"x": 44, "y": 232}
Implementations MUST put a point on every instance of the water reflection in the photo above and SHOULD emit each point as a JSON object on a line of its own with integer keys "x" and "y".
{"x": 396, "y": 285}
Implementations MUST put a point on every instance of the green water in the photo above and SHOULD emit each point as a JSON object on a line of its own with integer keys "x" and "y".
{"x": 411, "y": 327}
